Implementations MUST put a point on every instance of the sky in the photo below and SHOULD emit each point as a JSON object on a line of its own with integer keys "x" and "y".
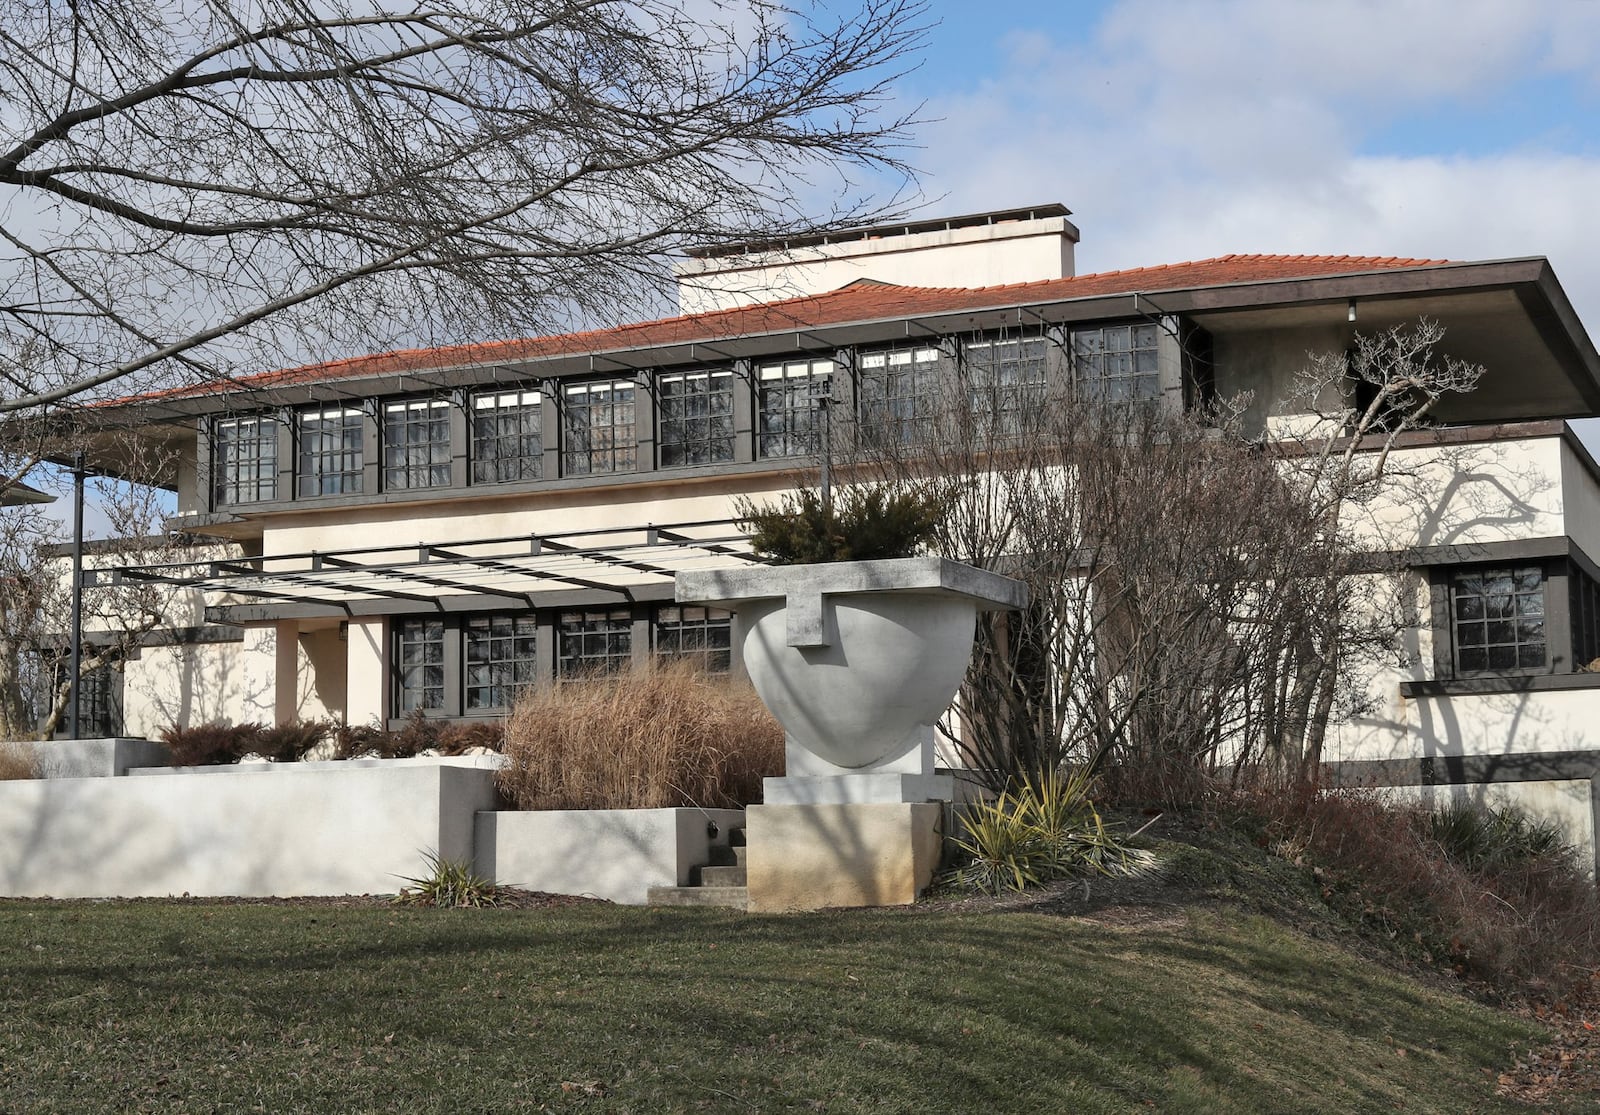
{"x": 1183, "y": 129}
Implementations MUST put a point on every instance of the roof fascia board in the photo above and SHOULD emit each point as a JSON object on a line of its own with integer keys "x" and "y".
{"x": 1533, "y": 271}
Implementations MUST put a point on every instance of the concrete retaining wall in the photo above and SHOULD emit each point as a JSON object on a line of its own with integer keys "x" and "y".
{"x": 616, "y": 854}
{"x": 352, "y": 830}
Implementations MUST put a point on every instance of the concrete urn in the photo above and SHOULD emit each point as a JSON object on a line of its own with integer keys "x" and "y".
{"x": 857, "y": 660}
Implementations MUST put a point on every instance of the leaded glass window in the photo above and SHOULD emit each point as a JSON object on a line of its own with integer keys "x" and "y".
{"x": 1498, "y": 619}
{"x": 331, "y": 451}
{"x": 416, "y": 444}
{"x": 787, "y": 412}
{"x": 1117, "y": 363}
{"x": 597, "y": 427}
{"x": 694, "y": 417}
{"x": 899, "y": 397}
{"x": 507, "y": 437}
{"x": 701, "y": 635}
{"x": 590, "y": 643}
{"x": 501, "y": 658}
{"x": 419, "y": 658}
{"x": 244, "y": 460}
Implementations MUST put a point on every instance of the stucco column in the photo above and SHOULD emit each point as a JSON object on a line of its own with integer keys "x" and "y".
{"x": 367, "y": 679}
{"x": 286, "y": 673}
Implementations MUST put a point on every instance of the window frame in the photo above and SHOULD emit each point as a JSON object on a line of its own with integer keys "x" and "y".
{"x": 705, "y": 623}
{"x": 718, "y": 448}
{"x": 424, "y": 461}
{"x": 1557, "y": 620}
{"x": 516, "y": 405}
{"x": 351, "y": 480}
{"x": 263, "y": 460}
{"x": 1006, "y": 406}
{"x": 797, "y": 438}
{"x": 911, "y": 417}
{"x": 1093, "y": 383}
{"x": 620, "y": 452}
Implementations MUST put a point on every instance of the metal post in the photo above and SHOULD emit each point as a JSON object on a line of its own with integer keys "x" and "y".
{"x": 822, "y": 395}
{"x": 75, "y": 677}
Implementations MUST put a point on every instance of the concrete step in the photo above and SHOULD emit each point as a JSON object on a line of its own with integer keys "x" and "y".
{"x": 733, "y": 898}
{"x": 728, "y": 857}
{"x": 719, "y": 875}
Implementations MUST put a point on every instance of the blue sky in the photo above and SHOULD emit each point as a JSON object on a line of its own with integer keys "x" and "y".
{"x": 1179, "y": 129}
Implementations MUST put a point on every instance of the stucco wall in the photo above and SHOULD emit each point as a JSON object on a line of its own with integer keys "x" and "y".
{"x": 196, "y": 684}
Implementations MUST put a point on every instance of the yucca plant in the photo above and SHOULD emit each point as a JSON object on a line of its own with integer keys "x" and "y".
{"x": 448, "y": 884}
{"x": 1046, "y": 829}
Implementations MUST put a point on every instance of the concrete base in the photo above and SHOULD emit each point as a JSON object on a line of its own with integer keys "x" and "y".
{"x": 813, "y": 857}
{"x": 615, "y": 854}
{"x": 863, "y": 789}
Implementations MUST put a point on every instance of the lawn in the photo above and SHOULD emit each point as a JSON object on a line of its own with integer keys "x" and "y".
{"x": 197, "y": 1007}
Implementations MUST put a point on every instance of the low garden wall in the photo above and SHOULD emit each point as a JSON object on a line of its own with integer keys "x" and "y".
{"x": 615, "y": 854}
{"x": 253, "y": 830}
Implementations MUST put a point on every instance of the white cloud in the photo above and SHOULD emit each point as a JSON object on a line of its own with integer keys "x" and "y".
{"x": 1177, "y": 131}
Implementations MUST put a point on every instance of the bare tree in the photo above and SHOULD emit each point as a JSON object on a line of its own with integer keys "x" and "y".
{"x": 190, "y": 187}
{"x": 1198, "y": 596}
{"x": 36, "y": 575}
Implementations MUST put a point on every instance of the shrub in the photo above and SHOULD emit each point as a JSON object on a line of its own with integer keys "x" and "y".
{"x": 18, "y": 761}
{"x": 1496, "y": 895}
{"x": 666, "y": 735}
{"x": 352, "y": 741}
{"x": 210, "y": 744}
{"x": 1045, "y": 829}
{"x": 288, "y": 743}
{"x": 449, "y": 884}
{"x": 861, "y": 524}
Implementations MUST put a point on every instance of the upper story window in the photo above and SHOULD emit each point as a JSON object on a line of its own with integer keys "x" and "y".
{"x": 416, "y": 444}
{"x": 1117, "y": 363}
{"x": 507, "y": 437}
{"x": 1007, "y": 379}
{"x": 694, "y": 417}
{"x": 899, "y": 396}
{"x": 590, "y": 643}
{"x": 419, "y": 664}
{"x": 786, "y": 407}
{"x": 331, "y": 458}
{"x": 244, "y": 460}
{"x": 501, "y": 659}
{"x": 1498, "y": 619}
{"x": 701, "y": 635}
{"x": 597, "y": 427}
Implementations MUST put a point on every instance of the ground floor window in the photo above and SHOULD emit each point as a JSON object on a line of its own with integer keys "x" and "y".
{"x": 99, "y": 701}
{"x": 420, "y": 678}
{"x": 597, "y": 642}
{"x": 701, "y": 635}
{"x": 501, "y": 656}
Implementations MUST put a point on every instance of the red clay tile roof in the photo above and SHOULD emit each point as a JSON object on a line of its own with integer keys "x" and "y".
{"x": 855, "y": 303}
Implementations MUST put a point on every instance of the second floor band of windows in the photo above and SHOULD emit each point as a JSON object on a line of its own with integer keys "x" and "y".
{"x": 673, "y": 418}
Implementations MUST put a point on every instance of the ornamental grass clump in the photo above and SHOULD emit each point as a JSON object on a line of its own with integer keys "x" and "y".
{"x": 666, "y": 735}
{"x": 18, "y": 761}
{"x": 1044, "y": 829}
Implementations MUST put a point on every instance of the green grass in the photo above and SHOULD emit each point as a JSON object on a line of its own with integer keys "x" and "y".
{"x": 180, "y": 1007}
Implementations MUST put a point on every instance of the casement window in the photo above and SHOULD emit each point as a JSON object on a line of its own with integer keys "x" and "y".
{"x": 244, "y": 460}
{"x": 416, "y": 444}
{"x": 1007, "y": 380}
{"x": 1497, "y": 620}
{"x": 597, "y": 427}
{"x": 501, "y": 659}
{"x": 1584, "y": 607}
{"x": 507, "y": 437}
{"x": 899, "y": 397}
{"x": 593, "y": 642}
{"x": 419, "y": 665}
{"x": 1117, "y": 363}
{"x": 786, "y": 409}
{"x": 701, "y": 635}
{"x": 694, "y": 417}
{"x": 330, "y": 451}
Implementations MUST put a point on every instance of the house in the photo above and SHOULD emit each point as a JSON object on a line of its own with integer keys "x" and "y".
{"x": 428, "y": 530}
